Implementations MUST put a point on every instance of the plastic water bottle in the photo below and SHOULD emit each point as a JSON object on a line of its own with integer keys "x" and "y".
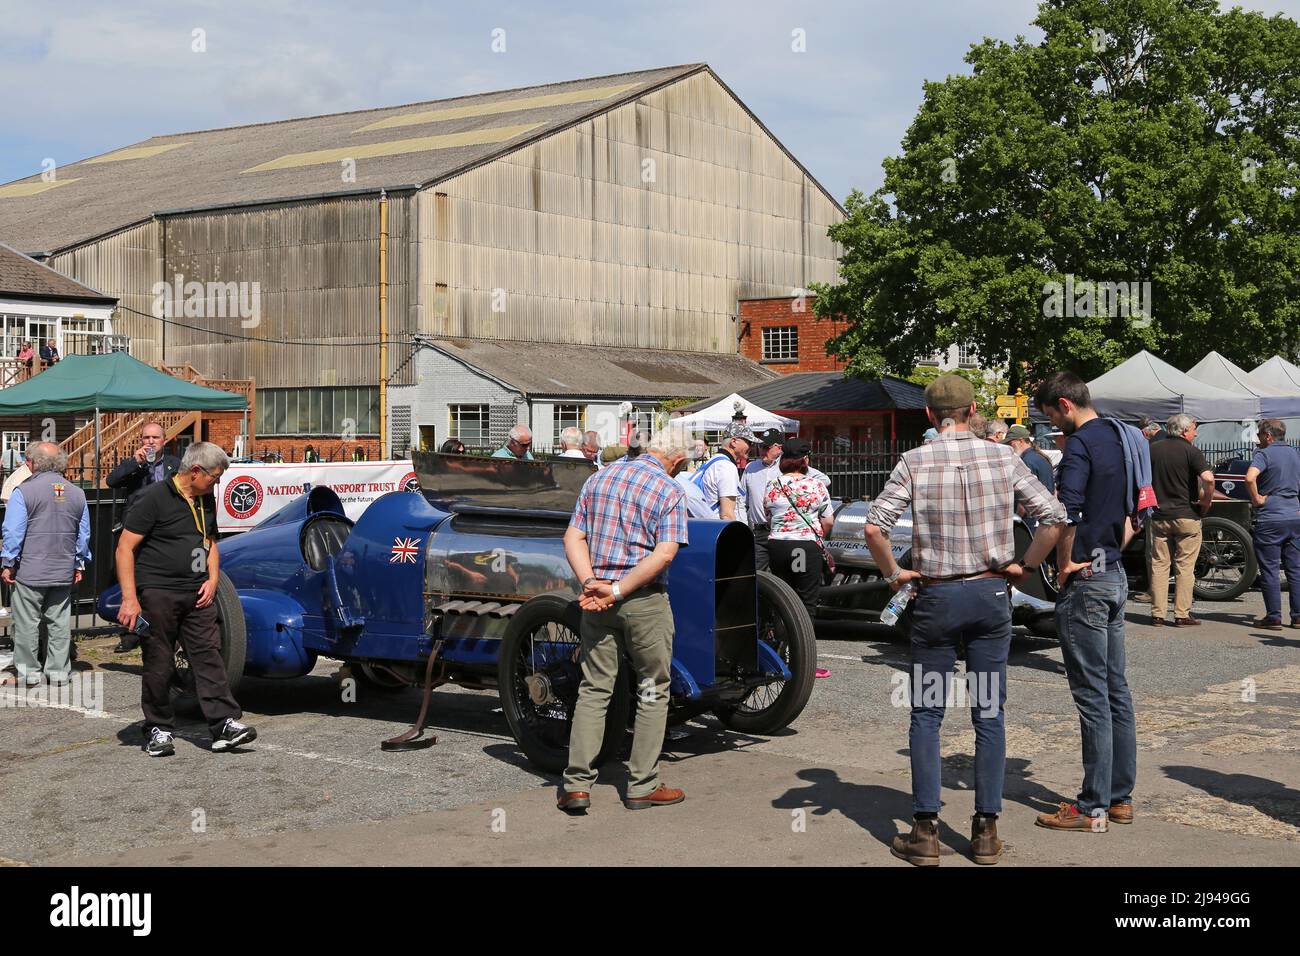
{"x": 896, "y": 604}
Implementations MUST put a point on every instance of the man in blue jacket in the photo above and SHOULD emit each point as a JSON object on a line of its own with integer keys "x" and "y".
{"x": 1097, "y": 484}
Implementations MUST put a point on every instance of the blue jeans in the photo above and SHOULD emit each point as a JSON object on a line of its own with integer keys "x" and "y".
{"x": 1090, "y": 623}
{"x": 1277, "y": 544}
{"x": 978, "y": 612}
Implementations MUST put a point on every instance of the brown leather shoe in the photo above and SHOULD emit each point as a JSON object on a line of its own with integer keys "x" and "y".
{"x": 1188, "y": 621}
{"x": 921, "y": 846}
{"x": 1120, "y": 813}
{"x": 985, "y": 847}
{"x": 574, "y": 802}
{"x": 662, "y": 797}
{"x": 1157, "y": 622}
{"x": 1266, "y": 624}
{"x": 1068, "y": 817}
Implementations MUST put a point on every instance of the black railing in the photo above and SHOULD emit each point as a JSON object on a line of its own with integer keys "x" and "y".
{"x": 857, "y": 469}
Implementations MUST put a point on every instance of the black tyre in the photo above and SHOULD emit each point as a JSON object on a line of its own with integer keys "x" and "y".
{"x": 1226, "y": 566}
{"x": 538, "y": 675}
{"x": 234, "y": 649}
{"x": 784, "y": 625}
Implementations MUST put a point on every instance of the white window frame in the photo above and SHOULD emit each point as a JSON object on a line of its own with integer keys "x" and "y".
{"x": 561, "y": 420}
{"x": 459, "y": 412}
{"x": 781, "y": 343}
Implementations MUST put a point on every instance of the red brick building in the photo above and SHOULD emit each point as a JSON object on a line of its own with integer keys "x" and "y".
{"x": 784, "y": 334}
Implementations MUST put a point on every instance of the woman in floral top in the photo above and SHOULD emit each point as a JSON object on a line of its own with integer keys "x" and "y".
{"x": 794, "y": 543}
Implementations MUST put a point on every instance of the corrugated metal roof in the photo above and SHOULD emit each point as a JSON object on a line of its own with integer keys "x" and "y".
{"x": 544, "y": 369}
{"x": 295, "y": 158}
{"x": 28, "y": 279}
{"x": 827, "y": 391}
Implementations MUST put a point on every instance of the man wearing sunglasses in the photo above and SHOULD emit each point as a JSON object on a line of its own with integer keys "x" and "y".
{"x": 168, "y": 566}
{"x": 518, "y": 445}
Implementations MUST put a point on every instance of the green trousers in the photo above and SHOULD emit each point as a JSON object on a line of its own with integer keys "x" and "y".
{"x": 31, "y": 607}
{"x": 640, "y": 627}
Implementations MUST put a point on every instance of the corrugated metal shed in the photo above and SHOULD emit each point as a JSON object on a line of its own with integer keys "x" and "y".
{"x": 220, "y": 167}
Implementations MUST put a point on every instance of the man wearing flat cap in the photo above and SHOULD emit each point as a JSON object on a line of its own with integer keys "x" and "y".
{"x": 963, "y": 493}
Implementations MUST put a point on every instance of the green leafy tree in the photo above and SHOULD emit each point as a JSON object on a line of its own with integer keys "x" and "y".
{"x": 1147, "y": 141}
{"x": 987, "y": 387}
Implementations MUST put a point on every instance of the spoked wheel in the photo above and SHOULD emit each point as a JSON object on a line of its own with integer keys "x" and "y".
{"x": 1226, "y": 566}
{"x": 784, "y": 625}
{"x": 538, "y": 674}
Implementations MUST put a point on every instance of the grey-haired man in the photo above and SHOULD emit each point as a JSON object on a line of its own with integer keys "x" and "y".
{"x": 46, "y": 547}
{"x": 168, "y": 565}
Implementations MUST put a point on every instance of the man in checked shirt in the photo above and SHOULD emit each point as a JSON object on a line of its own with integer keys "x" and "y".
{"x": 963, "y": 494}
{"x": 626, "y": 528}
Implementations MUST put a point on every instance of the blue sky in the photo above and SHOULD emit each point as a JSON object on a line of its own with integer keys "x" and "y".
{"x": 92, "y": 76}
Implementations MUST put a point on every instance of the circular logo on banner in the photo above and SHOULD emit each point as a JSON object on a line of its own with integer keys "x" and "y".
{"x": 410, "y": 482}
{"x": 243, "y": 497}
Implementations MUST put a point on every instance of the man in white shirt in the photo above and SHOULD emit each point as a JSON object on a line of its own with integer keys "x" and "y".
{"x": 571, "y": 441}
{"x": 714, "y": 490}
{"x": 754, "y": 483}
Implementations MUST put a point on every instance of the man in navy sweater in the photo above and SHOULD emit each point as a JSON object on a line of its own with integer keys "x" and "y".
{"x": 1094, "y": 486}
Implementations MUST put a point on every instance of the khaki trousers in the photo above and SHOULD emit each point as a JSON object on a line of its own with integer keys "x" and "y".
{"x": 640, "y": 626}
{"x": 1181, "y": 539}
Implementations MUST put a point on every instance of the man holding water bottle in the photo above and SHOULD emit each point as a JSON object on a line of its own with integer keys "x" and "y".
{"x": 147, "y": 466}
{"x": 963, "y": 493}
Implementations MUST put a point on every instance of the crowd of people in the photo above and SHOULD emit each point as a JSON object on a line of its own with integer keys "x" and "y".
{"x": 963, "y": 486}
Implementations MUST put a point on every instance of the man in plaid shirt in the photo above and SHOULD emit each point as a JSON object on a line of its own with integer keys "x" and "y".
{"x": 963, "y": 494}
{"x": 626, "y": 528}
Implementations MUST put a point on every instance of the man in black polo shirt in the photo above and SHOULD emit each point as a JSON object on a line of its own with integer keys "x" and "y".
{"x": 1093, "y": 484}
{"x": 1184, "y": 486}
{"x": 168, "y": 566}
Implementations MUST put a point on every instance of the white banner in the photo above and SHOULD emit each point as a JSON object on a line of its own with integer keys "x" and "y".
{"x": 251, "y": 493}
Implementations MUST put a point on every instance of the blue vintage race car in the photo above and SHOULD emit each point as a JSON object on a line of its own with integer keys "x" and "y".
{"x": 466, "y": 582}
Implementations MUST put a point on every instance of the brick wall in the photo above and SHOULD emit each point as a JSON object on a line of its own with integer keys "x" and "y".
{"x": 758, "y": 314}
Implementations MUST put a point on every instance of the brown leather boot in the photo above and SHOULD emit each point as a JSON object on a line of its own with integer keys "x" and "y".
{"x": 985, "y": 847}
{"x": 921, "y": 846}
{"x": 1120, "y": 813}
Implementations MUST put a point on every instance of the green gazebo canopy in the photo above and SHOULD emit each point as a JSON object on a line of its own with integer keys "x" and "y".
{"x": 111, "y": 383}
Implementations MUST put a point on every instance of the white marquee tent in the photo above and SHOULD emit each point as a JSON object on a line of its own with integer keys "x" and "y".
{"x": 718, "y": 416}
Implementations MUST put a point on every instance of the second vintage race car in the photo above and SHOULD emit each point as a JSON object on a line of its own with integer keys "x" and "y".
{"x": 1225, "y": 568}
{"x": 466, "y": 582}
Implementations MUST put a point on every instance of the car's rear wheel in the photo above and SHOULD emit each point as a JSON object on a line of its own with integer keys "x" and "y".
{"x": 234, "y": 649}
{"x": 784, "y": 625}
{"x": 538, "y": 674}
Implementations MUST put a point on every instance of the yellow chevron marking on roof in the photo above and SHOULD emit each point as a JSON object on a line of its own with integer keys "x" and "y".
{"x": 499, "y": 106}
{"x": 135, "y": 152}
{"x": 396, "y": 147}
{"x": 17, "y": 190}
